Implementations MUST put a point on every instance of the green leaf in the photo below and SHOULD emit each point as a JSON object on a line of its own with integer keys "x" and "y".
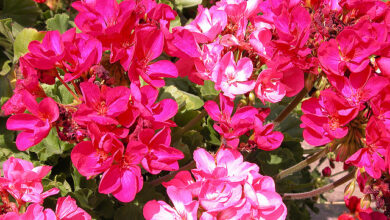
{"x": 25, "y": 12}
{"x": 187, "y": 3}
{"x": 23, "y": 39}
{"x": 6, "y": 68}
{"x": 208, "y": 91}
{"x": 186, "y": 101}
{"x": 59, "y": 22}
{"x": 50, "y": 146}
{"x": 5, "y": 87}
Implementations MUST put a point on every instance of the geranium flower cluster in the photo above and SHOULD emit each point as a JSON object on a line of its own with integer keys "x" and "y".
{"x": 225, "y": 187}
{"x": 23, "y": 182}
{"x": 124, "y": 125}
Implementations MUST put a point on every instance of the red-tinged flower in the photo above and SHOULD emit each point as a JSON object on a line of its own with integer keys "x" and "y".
{"x": 348, "y": 50}
{"x": 325, "y": 117}
{"x": 96, "y": 156}
{"x": 260, "y": 40}
{"x": 35, "y": 126}
{"x": 184, "y": 206}
{"x": 23, "y": 181}
{"x": 67, "y": 209}
{"x": 40, "y": 1}
{"x": 265, "y": 137}
{"x": 150, "y": 43}
{"x": 357, "y": 212}
{"x": 158, "y": 113}
{"x": 123, "y": 179}
{"x": 82, "y": 52}
{"x": 103, "y": 105}
{"x": 208, "y": 60}
{"x": 160, "y": 156}
{"x": 359, "y": 87}
{"x": 281, "y": 79}
{"x": 228, "y": 126}
{"x": 181, "y": 43}
{"x": 293, "y": 30}
{"x": 231, "y": 77}
{"x": 375, "y": 145}
{"x": 380, "y": 106}
{"x": 208, "y": 24}
{"x": 47, "y": 54}
{"x": 111, "y": 23}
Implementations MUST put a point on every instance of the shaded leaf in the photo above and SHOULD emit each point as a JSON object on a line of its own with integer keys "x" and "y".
{"x": 25, "y": 12}
{"x": 23, "y": 39}
{"x": 59, "y": 22}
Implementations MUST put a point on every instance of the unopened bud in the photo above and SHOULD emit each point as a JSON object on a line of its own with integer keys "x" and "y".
{"x": 365, "y": 202}
{"x": 251, "y": 98}
{"x": 326, "y": 172}
{"x": 349, "y": 189}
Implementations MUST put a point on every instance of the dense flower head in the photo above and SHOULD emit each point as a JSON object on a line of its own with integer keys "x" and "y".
{"x": 225, "y": 187}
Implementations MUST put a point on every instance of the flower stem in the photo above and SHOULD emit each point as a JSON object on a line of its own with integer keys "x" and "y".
{"x": 301, "y": 164}
{"x": 68, "y": 88}
{"x": 283, "y": 115}
{"x": 170, "y": 175}
{"x": 76, "y": 88}
{"x": 321, "y": 190}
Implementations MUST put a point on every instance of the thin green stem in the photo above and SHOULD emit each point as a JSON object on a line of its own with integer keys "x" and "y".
{"x": 301, "y": 165}
{"x": 321, "y": 190}
{"x": 68, "y": 88}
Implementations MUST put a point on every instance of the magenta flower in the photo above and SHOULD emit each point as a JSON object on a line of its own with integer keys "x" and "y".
{"x": 184, "y": 206}
{"x": 281, "y": 79}
{"x": 23, "y": 181}
{"x": 160, "y": 156}
{"x": 149, "y": 47}
{"x": 82, "y": 52}
{"x": 207, "y": 24}
{"x": 123, "y": 179}
{"x": 233, "y": 79}
{"x": 348, "y": 50}
{"x": 35, "y": 126}
{"x": 265, "y": 137}
{"x": 324, "y": 118}
{"x": 375, "y": 147}
{"x": 228, "y": 126}
{"x": 225, "y": 187}
{"x": 67, "y": 209}
{"x": 103, "y": 105}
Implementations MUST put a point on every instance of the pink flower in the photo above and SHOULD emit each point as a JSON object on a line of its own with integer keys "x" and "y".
{"x": 225, "y": 187}
{"x": 123, "y": 179}
{"x": 67, "y": 209}
{"x": 232, "y": 78}
{"x": 228, "y": 126}
{"x": 375, "y": 146}
{"x": 207, "y": 24}
{"x": 281, "y": 79}
{"x": 35, "y": 126}
{"x": 96, "y": 156}
{"x": 47, "y": 54}
{"x": 82, "y": 51}
{"x": 102, "y": 105}
{"x": 265, "y": 137}
{"x": 184, "y": 206}
{"x": 23, "y": 181}
{"x": 348, "y": 50}
{"x": 149, "y": 46}
{"x": 160, "y": 155}
{"x": 324, "y": 118}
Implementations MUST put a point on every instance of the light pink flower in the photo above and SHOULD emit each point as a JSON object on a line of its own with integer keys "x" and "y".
{"x": 233, "y": 79}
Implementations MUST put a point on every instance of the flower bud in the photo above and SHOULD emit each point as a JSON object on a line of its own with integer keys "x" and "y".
{"x": 326, "y": 172}
{"x": 349, "y": 189}
{"x": 365, "y": 202}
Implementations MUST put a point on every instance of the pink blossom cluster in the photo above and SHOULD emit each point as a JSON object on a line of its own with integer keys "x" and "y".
{"x": 225, "y": 187}
{"x": 117, "y": 126}
{"x": 243, "y": 121}
{"x": 23, "y": 182}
